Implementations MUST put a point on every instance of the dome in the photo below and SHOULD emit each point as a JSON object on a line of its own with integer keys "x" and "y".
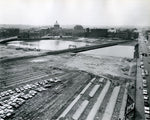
{"x": 56, "y": 25}
{"x": 78, "y": 27}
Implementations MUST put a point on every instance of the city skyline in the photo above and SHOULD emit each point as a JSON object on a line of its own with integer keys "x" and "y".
{"x": 71, "y": 12}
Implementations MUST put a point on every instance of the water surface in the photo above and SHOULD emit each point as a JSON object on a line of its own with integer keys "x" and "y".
{"x": 116, "y": 51}
{"x": 48, "y": 44}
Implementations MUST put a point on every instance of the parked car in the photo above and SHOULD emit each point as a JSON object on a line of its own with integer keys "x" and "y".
{"x": 55, "y": 80}
{"x": 22, "y": 89}
{"x": 18, "y": 90}
{"x": 2, "y": 94}
{"x": 143, "y": 74}
{"x": 146, "y": 72}
{"x": 25, "y": 97}
{"x": 37, "y": 84}
{"x": 32, "y": 92}
{"x": 48, "y": 85}
{"x": 144, "y": 92}
{"x": 144, "y": 85}
{"x": 146, "y": 97}
{"x": 144, "y": 81}
{"x": 3, "y": 115}
{"x": 15, "y": 105}
{"x": 141, "y": 63}
{"x": 40, "y": 89}
{"x": 7, "y": 93}
{"x": 146, "y": 103}
{"x": 11, "y": 91}
{"x": 142, "y": 66}
{"x": 146, "y": 108}
{"x": 147, "y": 111}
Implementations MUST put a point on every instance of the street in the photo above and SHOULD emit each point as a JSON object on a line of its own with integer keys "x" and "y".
{"x": 143, "y": 48}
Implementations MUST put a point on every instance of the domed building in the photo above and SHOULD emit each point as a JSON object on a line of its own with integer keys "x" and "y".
{"x": 78, "y": 27}
{"x": 56, "y": 30}
{"x": 56, "y": 26}
{"x": 78, "y": 30}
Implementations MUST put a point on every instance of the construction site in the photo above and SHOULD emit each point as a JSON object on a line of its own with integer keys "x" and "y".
{"x": 66, "y": 86}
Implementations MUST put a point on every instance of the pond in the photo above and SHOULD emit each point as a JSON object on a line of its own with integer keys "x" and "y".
{"x": 47, "y": 44}
{"x": 116, "y": 51}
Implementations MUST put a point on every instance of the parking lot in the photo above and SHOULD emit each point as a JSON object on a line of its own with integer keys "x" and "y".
{"x": 27, "y": 87}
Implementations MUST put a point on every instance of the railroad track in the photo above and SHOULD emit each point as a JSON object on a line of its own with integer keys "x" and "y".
{"x": 86, "y": 105}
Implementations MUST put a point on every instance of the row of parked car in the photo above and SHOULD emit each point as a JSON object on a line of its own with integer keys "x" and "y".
{"x": 29, "y": 86}
{"x": 145, "y": 92}
{"x": 12, "y": 99}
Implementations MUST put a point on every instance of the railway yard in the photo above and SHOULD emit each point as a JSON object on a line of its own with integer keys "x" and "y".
{"x": 65, "y": 87}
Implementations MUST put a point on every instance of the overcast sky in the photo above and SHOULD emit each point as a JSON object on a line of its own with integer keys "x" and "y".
{"x": 70, "y": 12}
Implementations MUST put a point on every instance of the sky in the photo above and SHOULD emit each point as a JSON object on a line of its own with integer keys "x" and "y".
{"x": 71, "y": 12}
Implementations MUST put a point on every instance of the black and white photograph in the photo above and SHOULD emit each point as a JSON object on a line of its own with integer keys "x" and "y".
{"x": 74, "y": 59}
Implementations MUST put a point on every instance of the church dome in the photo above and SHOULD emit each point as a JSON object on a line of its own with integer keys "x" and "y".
{"x": 56, "y": 24}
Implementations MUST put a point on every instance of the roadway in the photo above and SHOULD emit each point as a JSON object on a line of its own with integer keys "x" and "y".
{"x": 143, "y": 48}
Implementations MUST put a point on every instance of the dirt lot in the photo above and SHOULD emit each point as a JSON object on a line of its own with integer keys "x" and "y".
{"x": 102, "y": 65}
{"x": 73, "y": 72}
{"x": 12, "y": 52}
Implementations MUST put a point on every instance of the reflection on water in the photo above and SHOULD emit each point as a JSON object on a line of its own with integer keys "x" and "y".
{"x": 47, "y": 44}
{"x": 117, "y": 51}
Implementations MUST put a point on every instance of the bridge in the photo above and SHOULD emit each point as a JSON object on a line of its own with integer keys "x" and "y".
{"x": 4, "y": 40}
